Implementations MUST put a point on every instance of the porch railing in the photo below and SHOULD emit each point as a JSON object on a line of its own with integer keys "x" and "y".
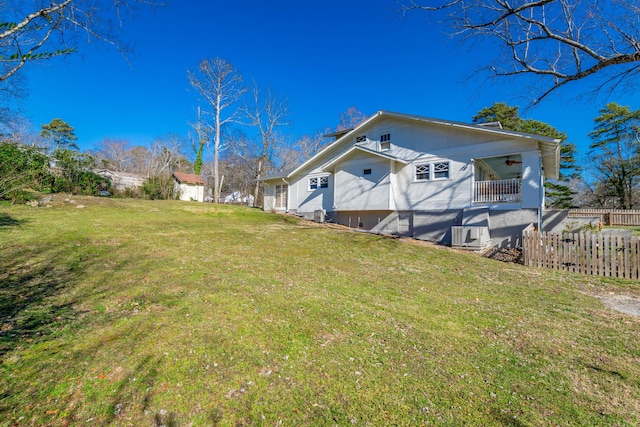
{"x": 498, "y": 191}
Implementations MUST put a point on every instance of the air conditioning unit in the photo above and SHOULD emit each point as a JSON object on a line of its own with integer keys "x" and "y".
{"x": 469, "y": 237}
{"x": 319, "y": 215}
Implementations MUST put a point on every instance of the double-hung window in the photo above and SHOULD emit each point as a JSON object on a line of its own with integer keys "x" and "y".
{"x": 313, "y": 183}
{"x": 324, "y": 182}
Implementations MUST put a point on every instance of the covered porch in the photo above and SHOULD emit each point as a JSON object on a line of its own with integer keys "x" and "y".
{"x": 498, "y": 179}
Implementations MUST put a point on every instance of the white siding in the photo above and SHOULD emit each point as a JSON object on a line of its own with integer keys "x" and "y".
{"x": 357, "y": 191}
{"x": 392, "y": 184}
{"x": 191, "y": 192}
{"x": 311, "y": 200}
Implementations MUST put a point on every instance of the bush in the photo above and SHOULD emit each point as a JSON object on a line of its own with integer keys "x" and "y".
{"x": 160, "y": 187}
{"x": 22, "y": 168}
{"x": 74, "y": 174}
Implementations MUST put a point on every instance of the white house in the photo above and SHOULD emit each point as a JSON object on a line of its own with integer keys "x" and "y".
{"x": 189, "y": 186}
{"x": 122, "y": 180}
{"x": 455, "y": 183}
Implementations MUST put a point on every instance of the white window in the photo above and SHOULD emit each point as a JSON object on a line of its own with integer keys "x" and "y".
{"x": 318, "y": 182}
{"x": 432, "y": 171}
{"x": 385, "y": 141}
{"x": 422, "y": 172}
{"x": 441, "y": 170}
{"x": 361, "y": 138}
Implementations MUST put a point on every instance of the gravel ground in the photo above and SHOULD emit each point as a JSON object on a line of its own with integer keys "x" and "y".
{"x": 621, "y": 303}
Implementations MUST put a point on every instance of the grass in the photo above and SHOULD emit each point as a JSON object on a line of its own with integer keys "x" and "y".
{"x": 131, "y": 312}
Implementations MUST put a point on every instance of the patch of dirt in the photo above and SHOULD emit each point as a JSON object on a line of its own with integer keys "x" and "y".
{"x": 513, "y": 255}
{"x": 622, "y": 303}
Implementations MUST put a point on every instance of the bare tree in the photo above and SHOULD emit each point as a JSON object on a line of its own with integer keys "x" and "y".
{"x": 220, "y": 84}
{"x": 45, "y": 29}
{"x": 351, "y": 118}
{"x": 140, "y": 161}
{"x": 114, "y": 153}
{"x": 554, "y": 41}
{"x": 267, "y": 112}
{"x": 164, "y": 155}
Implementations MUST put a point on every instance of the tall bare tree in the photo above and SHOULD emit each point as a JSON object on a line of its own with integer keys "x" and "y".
{"x": 267, "y": 112}
{"x": 220, "y": 84}
{"x": 43, "y": 29}
{"x": 554, "y": 41}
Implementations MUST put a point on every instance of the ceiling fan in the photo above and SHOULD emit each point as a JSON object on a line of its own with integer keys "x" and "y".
{"x": 510, "y": 162}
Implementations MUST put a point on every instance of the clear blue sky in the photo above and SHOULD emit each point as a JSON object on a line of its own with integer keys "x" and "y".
{"x": 323, "y": 56}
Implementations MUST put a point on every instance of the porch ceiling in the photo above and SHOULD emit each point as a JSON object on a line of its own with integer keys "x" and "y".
{"x": 507, "y": 167}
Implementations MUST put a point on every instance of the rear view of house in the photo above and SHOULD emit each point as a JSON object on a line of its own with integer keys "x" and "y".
{"x": 449, "y": 182}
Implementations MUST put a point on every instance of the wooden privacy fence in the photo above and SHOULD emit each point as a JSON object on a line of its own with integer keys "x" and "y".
{"x": 596, "y": 254}
{"x": 609, "y": 216}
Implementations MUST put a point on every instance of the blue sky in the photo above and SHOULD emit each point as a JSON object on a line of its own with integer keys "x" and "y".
{"x": 323, "y": 56}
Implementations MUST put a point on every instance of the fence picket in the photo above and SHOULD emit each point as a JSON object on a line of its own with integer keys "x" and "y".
{"x": 627, "y": 217}
{"x": 587, "y": 253}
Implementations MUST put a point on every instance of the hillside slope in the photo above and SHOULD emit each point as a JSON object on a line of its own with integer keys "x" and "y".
{"x": 129, "y": 312}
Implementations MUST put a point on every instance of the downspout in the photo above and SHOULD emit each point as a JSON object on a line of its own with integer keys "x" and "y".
{"x": 542, "y": 194}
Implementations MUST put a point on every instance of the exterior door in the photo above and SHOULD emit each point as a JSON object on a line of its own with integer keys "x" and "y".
{"x": 282, "y": 193}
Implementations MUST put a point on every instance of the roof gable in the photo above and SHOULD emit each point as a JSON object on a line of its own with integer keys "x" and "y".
{"x": 355, "y": 148}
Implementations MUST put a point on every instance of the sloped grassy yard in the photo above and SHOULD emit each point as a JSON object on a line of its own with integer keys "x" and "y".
{"x": 163, "y": 313}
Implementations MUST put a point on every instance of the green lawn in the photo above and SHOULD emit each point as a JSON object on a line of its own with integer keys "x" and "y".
{"x": 130, "y": 312}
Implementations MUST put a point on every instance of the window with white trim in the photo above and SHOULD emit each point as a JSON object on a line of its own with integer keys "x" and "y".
{"x": 361, "y": 138}
{"x": 441, "y": 170}
{"x": 318, "y": 182}
{"x": 422, "y": 172}
{"x": 385, "y": 141}
{"x": 432, "y": 171}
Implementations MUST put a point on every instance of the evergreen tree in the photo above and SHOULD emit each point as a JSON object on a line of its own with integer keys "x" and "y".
{"x": 61, "y": 134}
{"x": 615, "y": 151}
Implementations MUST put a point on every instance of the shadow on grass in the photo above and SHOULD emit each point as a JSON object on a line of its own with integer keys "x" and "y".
{"x": 506, "y": 420}
{"x": 29, "y": 279}
{"x": 7, "y": 220}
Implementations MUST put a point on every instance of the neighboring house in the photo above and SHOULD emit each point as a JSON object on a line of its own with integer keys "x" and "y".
{"x": 189, "y": 186}
{"x": 237, "y": 198}
{"x": 449, "y": 182}
{"x": 122, "y": 180}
